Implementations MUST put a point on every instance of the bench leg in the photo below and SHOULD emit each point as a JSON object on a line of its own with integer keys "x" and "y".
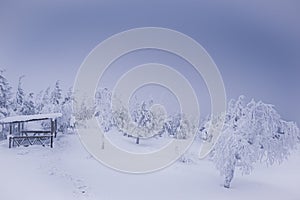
{"x": 51, "y": 141}
{"x": 55, "y": 128}
{"x": 52, "y": 133}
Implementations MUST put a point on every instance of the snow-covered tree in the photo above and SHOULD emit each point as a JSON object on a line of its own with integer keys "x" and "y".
{"x": 67, "y": 120}
{"x": 103, "y": 108}
{"x": 252, "y": 132}
{"x": 24, "y": 104}
{"x": 5, "y": 95}
{"x": 186, "y": 128}
{"x": 179, "y": 127}
{"x": 56, "y": 97}
{"x": 143, "y": 118}
{"x": 159, "y": 118}
{"x": 39, "y": 102}
{"x": 45, "y": 105}
{"x": 28, "y": 105}
{"x": 147, "y": 119}
{"x": 121, "y": 118}
{"x": 172, "y": 124}
{"x": 84, "y": 109}
{"x": 20, "y": 97}
{"x": 50, "y": 103}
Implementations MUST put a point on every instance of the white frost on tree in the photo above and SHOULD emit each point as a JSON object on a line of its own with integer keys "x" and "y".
{"x": 39, "y": 102}
{"x": 252, "y": 132}
{"x": 56, "y": 97}
{"x": 148, "y": 119}
{"x": 67, "y": 119}
{"x": 28, "y": 105}
{"x": 103, "y": 108}
{"x": 142, "y": 120}
{"x": 121, "y": 118}
{"x": 45, "y": 105}
{"x": 179, "y": 127}
{"x": 84, "y": 109}
{"x": 5, "y": 95}
{"x": 20, "y": 98}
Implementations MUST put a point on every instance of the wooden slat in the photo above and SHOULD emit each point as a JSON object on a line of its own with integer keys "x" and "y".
{"x": 35, "y": 131}
{"x": 36, "y": 136}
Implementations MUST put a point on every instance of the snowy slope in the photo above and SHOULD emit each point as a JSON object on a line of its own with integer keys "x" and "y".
{"x": 68, "y": 172}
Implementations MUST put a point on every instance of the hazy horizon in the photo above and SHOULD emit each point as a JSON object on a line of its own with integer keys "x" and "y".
{"x": 256, "y": 45}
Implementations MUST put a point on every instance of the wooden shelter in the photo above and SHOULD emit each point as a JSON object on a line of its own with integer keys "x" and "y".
{"x": 20, "y": 135}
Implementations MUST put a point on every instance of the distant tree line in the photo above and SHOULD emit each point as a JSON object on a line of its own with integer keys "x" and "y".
{"x": 20, "y": 102}
{"x": 252, "y": 132}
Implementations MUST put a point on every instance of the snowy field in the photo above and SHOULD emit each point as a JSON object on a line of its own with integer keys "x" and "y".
{"x": 69, "y": 172}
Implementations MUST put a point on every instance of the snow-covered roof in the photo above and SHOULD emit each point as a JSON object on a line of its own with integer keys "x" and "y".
{"x": 25, "y": 118}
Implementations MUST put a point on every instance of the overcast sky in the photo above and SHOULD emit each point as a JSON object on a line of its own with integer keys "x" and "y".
{"x": 256, "y": 45}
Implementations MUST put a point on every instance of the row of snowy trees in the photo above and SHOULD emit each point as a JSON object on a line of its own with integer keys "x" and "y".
{"x": 253, "y": 132}
{"x": 20, "y": 102}
{"x": 142, "y": 120}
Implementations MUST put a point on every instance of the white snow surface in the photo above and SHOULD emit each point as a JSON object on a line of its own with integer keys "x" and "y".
{"x": 69, "y": 172}
{"x": 24, "y": 118}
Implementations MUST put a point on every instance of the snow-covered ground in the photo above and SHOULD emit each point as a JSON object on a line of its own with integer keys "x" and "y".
{"x": 69, "y": 172}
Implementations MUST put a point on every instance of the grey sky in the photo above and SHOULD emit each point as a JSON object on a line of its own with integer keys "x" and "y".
{"x": 256, "y": 44}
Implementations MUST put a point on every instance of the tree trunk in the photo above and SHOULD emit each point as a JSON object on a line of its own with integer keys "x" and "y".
{"x": 228, "y": 178}
{"x": 102, "y": 138}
